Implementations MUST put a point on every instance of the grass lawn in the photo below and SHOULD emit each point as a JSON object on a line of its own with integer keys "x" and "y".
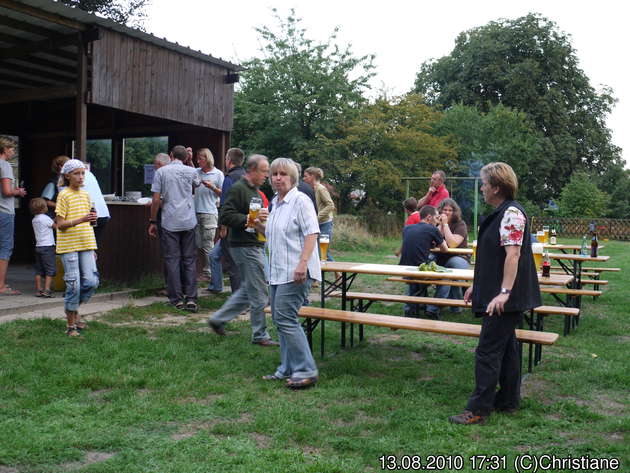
{"x": 152, "y": 390}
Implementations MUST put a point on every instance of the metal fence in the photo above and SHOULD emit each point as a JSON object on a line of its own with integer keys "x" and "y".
{"x": 611, "y": 228}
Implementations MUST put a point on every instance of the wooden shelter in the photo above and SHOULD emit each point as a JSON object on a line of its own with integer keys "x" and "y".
{"x": 67, "y": 77}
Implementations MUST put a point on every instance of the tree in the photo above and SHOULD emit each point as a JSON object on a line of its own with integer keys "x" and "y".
{"x": 297, "y": 90}
{"x": 383, "y": 142}
{"x": 616, "y": 183}
{"x": 529, "y": 65}
{"x": 126, "y": 12}
{"x": 582, "y": 198}
{"x": 501, "y": 134}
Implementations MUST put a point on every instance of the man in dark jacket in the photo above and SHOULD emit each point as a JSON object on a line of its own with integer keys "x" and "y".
{"x": 248, "y": 253}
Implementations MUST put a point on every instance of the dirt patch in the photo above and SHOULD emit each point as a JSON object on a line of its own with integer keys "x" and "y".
{"x": 538, "y": 389}
{"x": 311, "y": 451}
{"x": 406, "y": 356}
{"x": 204, "y": 401}
{"x": 262, "y": 441}
{"x": 426, "y": 378}
{"x": 613, "y": 437}
{"x": 190, "y": 430}
{"x": 359, "y": 418}
{"x": 623, "y": 339}
{"x": 99, "y": 393}
{"x": 569, "y": 438}
{"x": 554, "y": 417}
{"x": 90, "y": 458}
{"x": 7, "y": 469}
{"x": 602, "y": 404}
{"x": 245, "y": 418}
{"x": 382, "y": 338}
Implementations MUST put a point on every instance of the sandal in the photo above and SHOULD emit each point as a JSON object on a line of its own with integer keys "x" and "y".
{"x": 81, "y": 325}
{"x": 39, "y": 294}
{"x": 72, "y": 331}
{"x": 7, "y": 291}
{"x": 272, "y": 377}
{"x": 179, "y": 305}
{"x": 191, "y": 306}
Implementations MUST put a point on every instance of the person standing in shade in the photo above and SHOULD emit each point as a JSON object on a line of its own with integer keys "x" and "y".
{"x": 437, "y": 190}
{"x": 291, "y": 231}
{"x": 173, "y": 186}
{"x": 505, "y": 285}
{"x": 51, "y": 190}
{"x": 325, "y": 204}
{"x": 8, "y": 192}
{"x": 206, "y": 199}
{"x": 248, "y": 253}
{"x": 102, "y": 211}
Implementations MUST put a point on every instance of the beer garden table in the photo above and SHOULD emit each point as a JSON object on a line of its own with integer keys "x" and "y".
{"x": 563, "y": 248}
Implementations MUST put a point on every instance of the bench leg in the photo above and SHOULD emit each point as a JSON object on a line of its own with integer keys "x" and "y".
{"x": 322, "y": 339}
{"x": 539, "y": 327}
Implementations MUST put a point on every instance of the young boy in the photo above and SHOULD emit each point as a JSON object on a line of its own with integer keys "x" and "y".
{"x": 44, "y": 247}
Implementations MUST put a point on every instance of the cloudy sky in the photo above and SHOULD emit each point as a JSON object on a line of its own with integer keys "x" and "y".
{"x": 403, "y": 34}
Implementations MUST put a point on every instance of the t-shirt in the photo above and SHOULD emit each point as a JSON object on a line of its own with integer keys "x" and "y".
{"x": 413, "y": 218}
{"x": 418, "y": 239}
{"x": 175, "y": 184}
{"x": 43, "y": 229}
{"x": 71, "y": 205}
{"x": 438, "y": 196}
{"x": 458, "y": 228}
{"x": 7, "y": 204}
{"x": 205, "y": 199}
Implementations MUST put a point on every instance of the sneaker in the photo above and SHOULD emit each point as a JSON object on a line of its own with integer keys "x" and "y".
{"x": 467, "y": 418}
{"x": 216, "y": 328}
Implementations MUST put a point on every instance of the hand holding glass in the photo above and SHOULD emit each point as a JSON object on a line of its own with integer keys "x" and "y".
{"x": 255, "y": 204}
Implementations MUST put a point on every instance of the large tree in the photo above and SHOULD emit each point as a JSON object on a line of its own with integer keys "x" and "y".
{"x": 529, "y": 65}
{"x": 298, "y": 89}
{"x": 383, "y": 142}
{"x": 126, "y": 12}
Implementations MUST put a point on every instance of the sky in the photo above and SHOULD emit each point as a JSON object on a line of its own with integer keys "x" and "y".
{"x": 405, "y": 33}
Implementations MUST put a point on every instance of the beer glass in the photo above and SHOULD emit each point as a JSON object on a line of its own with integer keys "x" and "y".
{"x": 540, "y": 236}
{"x": 546, "y": 233}
{"x": 324, "y": 240}
{"x": 537, "y": 250}
{"x": 474, "y": 253}
{"x": 255, "y": 204}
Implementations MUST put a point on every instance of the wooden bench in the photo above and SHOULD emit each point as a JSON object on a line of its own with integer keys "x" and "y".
{"x": 531, "y": 337}
{"x": 601, "y": 270}
{"x": 574, "y": 296}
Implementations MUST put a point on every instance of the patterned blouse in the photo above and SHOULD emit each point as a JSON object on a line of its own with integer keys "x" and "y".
{"x": 512, "y": 227}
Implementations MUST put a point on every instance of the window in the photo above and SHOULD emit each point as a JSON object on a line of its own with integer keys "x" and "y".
{"x": 138, "y": 154}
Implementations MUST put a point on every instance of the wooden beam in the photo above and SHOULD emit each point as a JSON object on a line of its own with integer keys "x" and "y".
{"x": 80, "y": 116}
{"x": 42, "y": 15}
{"x": 20, "y": 69}
{"x": 44, "y": 93}
{"x": 21, "y": 81}
{"x": 57, "y": 66}
{"x": 27, "y": 27}
{"x": 48, "y": 46}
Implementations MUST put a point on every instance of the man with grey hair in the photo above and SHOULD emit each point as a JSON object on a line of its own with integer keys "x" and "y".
{"x": 173, "y": 185}
{"x": 248, "y": 254}
{"x": 437, "y": 190}
{"x": 161, "y": 159}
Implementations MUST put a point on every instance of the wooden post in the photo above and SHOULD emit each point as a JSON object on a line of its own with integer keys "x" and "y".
{"x": 80, "y": 134}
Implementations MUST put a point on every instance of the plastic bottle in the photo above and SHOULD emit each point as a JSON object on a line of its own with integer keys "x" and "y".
{"x": 584, "y": 249}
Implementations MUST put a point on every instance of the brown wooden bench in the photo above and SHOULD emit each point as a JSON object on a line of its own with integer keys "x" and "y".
{"x": 531, "y": 337}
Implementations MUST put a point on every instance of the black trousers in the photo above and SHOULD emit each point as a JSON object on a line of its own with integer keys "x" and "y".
{"x": 497, "y": 362}
{"x": 180, "y": 254}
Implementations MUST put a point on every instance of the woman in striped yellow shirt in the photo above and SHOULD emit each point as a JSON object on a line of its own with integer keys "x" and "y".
{"x": 76, "y": 243}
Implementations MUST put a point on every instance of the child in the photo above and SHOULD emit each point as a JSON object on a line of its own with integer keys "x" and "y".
{"x": 44, "y": 247}
{"x": 76, "y": 243}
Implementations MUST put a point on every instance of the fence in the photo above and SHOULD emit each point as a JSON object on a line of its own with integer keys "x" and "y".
{"x": 611, "y": 228}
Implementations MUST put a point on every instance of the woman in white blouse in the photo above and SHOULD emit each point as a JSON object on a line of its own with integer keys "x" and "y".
{"x": 291, "y": 230}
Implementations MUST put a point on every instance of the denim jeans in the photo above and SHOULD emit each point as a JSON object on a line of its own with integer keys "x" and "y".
{"x": 216, "y": 271}
{"x": 296, "y": 359}
{"x": 420, "y": 290}
{"x": 252, "y": 294}
{"x": 449, "y": 292}
{"x": 7, "y": 228}
{"x": 327, "y": 228}
{"x": 179, "y": 252}
{"x": 81, "y": 277}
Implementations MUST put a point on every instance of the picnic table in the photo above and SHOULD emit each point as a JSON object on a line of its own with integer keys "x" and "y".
{"x": 563, "y": 248}
{"x": 573, "y": 265}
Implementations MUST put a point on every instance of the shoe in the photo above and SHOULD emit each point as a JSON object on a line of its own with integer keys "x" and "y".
{"x": 47, "y": 294}
{"x": 72, "y": 332}
{"x": 467, "y": 418}
{"x": 191, "y": 306}
{"x": 267, "y": 342}
{"x": 212, "y": 291}
{"x": 81, "y": 325}
{"x": 216, "y": 328}
{"x": 179, "y": 305}
{"x": 301, "y": 383}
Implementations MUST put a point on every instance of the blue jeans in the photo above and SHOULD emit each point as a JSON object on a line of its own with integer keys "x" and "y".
{"x": 251, "y": 294}
{"x": 328, "y": 229}
{"x": 81, "y": 277}
{"x": 296, "y": 359}
{"x": 7, "y": 228}
{"x": 449, "y": 292}
{"x": 216, "y": 271}
{"x": 420, "y": 290}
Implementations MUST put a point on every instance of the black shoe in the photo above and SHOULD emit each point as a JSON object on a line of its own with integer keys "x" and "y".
{"x": 216, "y": 328}
{"x": 191, "y": 306}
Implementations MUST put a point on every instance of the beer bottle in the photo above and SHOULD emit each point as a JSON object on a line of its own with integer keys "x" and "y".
{"x": 594, "y": 245}
{"x": 546, "y": 265}
{"x": 93, "y": 209}
{"x": 553, "y": 240}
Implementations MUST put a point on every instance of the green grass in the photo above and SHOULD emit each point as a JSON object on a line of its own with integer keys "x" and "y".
{"x": 138, "y": 394}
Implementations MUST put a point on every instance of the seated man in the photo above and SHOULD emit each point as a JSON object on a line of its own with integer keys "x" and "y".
{"x": 418, "y": 239}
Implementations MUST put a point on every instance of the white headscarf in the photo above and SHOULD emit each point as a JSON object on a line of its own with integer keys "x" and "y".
{"x": 72, "y": 165}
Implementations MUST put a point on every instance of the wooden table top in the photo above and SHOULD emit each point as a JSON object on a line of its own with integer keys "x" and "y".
{"x": 549, "y": 246}
{"x": 413, "y": 272}
{"x": 573, "y": 257}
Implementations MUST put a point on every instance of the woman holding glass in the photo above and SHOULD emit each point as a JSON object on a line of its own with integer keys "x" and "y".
{"x": 291, "y": 231}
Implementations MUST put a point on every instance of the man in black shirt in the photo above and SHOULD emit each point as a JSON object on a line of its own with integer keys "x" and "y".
{"x": 418, "y": 239}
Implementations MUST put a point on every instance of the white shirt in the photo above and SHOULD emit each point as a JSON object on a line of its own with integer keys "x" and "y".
{"x": 290, "y": 221}
{"x": 205, "y": 199}
{"x": 91, "y": 186}
{"x": 43, "y": 229}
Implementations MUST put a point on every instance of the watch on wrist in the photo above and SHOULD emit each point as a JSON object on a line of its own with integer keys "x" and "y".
{"x": 505, "y": 291}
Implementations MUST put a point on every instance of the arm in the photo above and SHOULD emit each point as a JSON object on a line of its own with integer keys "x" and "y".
{"x": 231, "y": 216}
{"x": 452, "y": 240}
{"x": 212, "y": 187}
{"x": 155, "y": 206}
{"x": 510, "y": 267}
{"x": 63, "y": 224}
{"x": 427, "y": 196}
{"x": 9, "y": 191}
{"x": 299, "y": 275}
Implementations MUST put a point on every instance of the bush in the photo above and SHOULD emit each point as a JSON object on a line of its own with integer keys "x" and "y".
{"x": 582, "y": 198}
{"x": 351, "y": 234}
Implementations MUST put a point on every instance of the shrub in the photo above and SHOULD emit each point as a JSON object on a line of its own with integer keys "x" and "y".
{"x": 351, "y": 234}
{"x": 582, "y": 198}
